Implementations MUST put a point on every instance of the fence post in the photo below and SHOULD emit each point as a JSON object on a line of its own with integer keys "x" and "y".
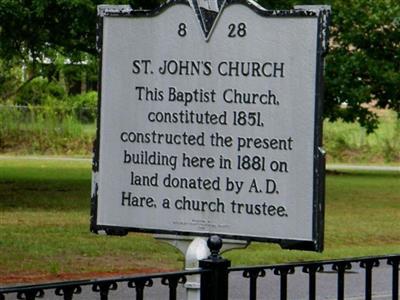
{"x": 214, "y": 284}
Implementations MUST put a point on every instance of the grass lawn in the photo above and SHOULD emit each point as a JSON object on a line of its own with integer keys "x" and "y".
{"x": 39, "y": 131}
{"x": 350, "y": 143}
{"x": 45, "y": 210}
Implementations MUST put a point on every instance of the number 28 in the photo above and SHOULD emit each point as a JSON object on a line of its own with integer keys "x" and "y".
{"x": 235, "y": 30}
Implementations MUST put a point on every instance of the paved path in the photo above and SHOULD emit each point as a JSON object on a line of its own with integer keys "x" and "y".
{"x": 268, "y": 287}
{"x": 55, "y": 158}
{"x": 328, "y": 166}
{"x": 363, "y": 168}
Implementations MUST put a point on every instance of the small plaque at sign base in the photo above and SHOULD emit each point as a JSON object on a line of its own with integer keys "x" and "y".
{"x": 210, "y": 117}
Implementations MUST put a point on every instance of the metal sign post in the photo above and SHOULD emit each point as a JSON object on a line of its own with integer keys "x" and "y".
{"x": 195, "y": 249}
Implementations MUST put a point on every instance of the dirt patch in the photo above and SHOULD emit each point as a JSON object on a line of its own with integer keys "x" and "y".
{"x": 37, "y": 278}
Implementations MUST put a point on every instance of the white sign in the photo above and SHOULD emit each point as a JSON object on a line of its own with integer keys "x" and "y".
{"x": 216, "y": 135}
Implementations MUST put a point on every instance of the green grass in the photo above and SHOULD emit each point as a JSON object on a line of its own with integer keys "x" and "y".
{"x": 349, "y": 143}
{"x": 362, "y": 218}
{"x": 44, "y": 131}
{"x": 44, "y": 224}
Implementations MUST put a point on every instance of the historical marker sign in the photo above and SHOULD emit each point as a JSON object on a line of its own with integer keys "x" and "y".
{"x": 210, "y": 122}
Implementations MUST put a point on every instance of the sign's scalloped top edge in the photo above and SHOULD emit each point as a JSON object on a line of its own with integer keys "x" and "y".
{"x": 105, "y": 10}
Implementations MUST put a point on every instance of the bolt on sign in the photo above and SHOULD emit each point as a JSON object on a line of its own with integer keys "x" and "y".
{"x": 210, "y": 119}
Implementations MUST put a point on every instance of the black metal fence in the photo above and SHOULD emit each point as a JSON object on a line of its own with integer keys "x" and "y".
{"x": 340, "y": 267}
{"x": 68, "y": 289}
{"x": 214, "y": 274}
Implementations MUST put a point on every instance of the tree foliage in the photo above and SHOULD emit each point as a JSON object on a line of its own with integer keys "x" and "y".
{"x": 10, "y": 76}
{"x": 363, "y": 63}
{"x": 362, "y": 66}
{"x": 32, "y": 31}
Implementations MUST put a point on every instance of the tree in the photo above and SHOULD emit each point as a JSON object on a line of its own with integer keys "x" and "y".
{"x": 362, "y": 67}
{"x": 10, "y": 76}
{"x": 31, "y": 30}
{"x": 363, "y": 63}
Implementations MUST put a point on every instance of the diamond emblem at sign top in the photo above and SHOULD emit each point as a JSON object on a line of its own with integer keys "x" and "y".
{"x": 207, "y": 12}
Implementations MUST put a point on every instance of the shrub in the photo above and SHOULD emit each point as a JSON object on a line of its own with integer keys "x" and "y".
{"x": 10, "y": 76}
{"x": 43, "y": 129}
{"x": 85, "y": 106}
{"x": 350, "y": 143}
{"x": 38, "y": 90}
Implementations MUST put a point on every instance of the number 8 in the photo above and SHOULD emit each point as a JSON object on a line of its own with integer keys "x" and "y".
{"x": 182, "y": 29}
{"x": 241, "y": 29}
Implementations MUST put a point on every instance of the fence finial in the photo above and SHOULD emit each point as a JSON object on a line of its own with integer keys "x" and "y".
{"x": 214, "y": 243}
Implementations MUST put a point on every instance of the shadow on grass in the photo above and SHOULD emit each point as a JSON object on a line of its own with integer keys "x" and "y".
{"x": 57, "y": 195}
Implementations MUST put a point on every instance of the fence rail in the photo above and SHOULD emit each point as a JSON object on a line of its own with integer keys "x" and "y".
{"x": 313, "y": 268}
{"x": 214, "y": 279}
{"x": 67, "y": 289}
